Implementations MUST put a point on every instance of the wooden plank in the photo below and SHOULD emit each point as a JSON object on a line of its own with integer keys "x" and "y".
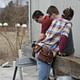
{"x": 72, "y": 58}
{"x": 68, "y": 65}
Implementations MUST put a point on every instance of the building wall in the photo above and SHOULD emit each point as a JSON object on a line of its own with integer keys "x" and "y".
{"x": 61, "y": 5}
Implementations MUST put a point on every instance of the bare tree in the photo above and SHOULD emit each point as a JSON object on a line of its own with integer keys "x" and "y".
{"x": 14, "y": 14}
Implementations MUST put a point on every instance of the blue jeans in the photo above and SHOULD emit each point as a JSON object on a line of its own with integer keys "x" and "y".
{"x": 43, "y": 70}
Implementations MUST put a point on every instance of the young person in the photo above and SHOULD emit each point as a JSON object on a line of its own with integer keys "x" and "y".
{"x": 66, "y": 46}
{"x": 45, "y": 22}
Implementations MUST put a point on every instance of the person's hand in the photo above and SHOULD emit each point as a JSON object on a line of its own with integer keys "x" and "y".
{"x": 61, "y": 54}
{"x": 33, "y": 44}
{"x": 33, "y": 54}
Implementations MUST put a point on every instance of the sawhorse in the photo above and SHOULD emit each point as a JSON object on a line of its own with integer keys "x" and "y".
{"x": 20, "y": 63}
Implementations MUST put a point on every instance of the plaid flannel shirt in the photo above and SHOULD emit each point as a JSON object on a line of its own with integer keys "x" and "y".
{"x": 58, "y": 27}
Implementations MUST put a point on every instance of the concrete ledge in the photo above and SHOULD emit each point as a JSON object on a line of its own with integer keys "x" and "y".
{"x": 68, "y": 65}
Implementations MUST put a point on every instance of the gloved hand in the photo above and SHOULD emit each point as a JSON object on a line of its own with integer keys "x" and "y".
{"x": 33, "y": 54}
{"x": 33, "y": 44}
{"x": 62, "y": 54}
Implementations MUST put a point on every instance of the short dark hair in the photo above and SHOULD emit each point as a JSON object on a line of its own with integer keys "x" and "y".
{"x": 37, "y": 14}
{"x": 68, "y": 13}
{"x": 52, "y": 9}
